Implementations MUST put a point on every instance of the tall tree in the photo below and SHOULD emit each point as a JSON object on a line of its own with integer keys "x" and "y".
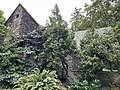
{"x": 100, "y": 13}
{"x": 78, "y": 20}
{"x": 58, "y": 43}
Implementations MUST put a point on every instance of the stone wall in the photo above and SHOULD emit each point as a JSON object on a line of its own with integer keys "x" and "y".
{"x": 72, "y": 66}
{"x": 21, "y": 21}
{"x": 110, "y": 79}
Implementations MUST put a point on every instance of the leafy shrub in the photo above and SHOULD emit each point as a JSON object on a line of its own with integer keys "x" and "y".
{"x": 11, "y": 65}
{"x": 39, "y": 81}
{"x": 98, "y": 53}
{"x": 33, "y": 40}
{"x": 78, "y": 84}
{"x": 12, "y": 59}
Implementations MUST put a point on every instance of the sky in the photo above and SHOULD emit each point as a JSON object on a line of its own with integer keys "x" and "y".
{"x": 40, "y": 10}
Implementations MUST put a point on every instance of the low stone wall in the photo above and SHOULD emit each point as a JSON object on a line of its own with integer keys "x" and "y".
{"x": 110, "y": 79}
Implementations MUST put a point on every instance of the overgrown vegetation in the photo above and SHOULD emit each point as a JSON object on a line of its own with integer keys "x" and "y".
{"x": 39, "y": 81}
{"x": 13, "y": 62}
{"x": 47, "y": 49}
{"x": 77, "y": 83}
{"x": 58, "y": 44}
{"x": 98, "y": 14}
{"x": 99, "y": 52}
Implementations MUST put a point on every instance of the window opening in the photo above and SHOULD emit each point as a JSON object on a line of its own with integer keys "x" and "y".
{"x": 17, "y": 15}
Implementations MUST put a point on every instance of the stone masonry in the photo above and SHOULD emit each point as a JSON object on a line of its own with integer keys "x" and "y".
{"x": 21, "y": 21}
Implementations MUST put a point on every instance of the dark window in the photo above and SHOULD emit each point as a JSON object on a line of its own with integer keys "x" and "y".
{"x": 17, "y": 15}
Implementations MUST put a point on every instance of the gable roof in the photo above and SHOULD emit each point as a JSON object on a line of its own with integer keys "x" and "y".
{"x": 21, "y": 21}
{"x": 20, "y": 5}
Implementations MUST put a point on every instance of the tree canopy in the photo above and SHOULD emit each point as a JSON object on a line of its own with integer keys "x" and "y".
{"x": 58, "y": 43}
{"x": 98, "y": 14}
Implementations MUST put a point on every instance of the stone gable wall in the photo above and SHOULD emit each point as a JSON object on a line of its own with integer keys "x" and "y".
{"x": 21, "y": 21}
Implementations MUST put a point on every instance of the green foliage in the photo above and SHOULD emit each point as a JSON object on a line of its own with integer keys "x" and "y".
{"x": 58, "y": 44}
{"x": 11, "y": 64}
{"x": 117, "y": 31}
{"x": 98, "y": 14}
{"x": 2, "y": 27}
{"x": 2, "y": 18}
{"x": 98, "y": 53}
{"x": 39, "y": 81}
{"x": 33, "y": 41}
{"x": 77, "y": 84}
{"x": 13, "y": 60}
{"x": 78, "y": 20}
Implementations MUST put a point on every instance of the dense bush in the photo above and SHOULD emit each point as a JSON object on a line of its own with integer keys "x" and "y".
{"x": 13, "y": 60}
{"x": 76, "y": 83}
{"x": 33, "y": 40}
{"x": 39, "y": 81}
{"x": 11, "y": 65}
{"x": 98, "y": 53}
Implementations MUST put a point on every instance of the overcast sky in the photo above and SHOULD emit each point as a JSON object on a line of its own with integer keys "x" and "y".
{"x": 41, "y": 9}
